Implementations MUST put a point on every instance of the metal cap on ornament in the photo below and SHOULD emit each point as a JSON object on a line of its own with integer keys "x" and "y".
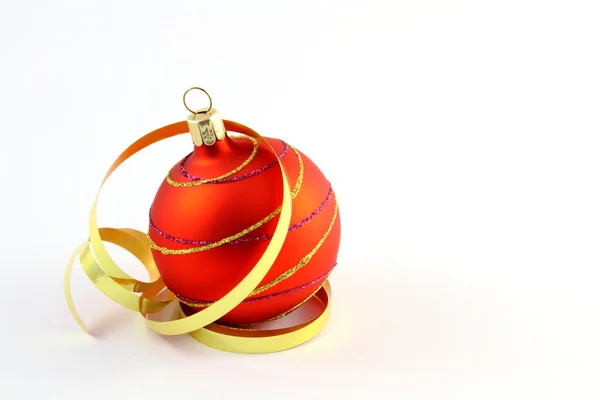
{"x": 206, "y": 125}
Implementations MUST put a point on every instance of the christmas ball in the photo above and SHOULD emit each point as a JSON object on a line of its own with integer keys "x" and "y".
{"x": 215, "y": 212}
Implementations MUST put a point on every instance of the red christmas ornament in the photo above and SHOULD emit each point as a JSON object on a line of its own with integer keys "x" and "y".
{"x": 215, "y": 212}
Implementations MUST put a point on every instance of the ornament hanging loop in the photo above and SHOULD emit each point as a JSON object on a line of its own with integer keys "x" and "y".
{"x": 206, "y": 126}
{"x": 199, "y": 111}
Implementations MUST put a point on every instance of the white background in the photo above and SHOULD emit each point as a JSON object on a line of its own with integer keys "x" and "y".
{"x": 461, "y": 138}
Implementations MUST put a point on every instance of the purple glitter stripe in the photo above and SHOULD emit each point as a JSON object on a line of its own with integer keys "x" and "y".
{"x": 270, "y": 296}
{"x": 292, "y": 228}
{"x": 234, "y": 178}
{"x": 264, "y": 236}
{"x": 292, "y": 290}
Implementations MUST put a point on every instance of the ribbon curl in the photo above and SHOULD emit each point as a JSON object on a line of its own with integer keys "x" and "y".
{"x": 143, "y": 297}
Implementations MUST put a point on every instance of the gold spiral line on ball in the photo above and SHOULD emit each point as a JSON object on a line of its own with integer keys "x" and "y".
{"x": 303, "y": 261}
{"x": 249, "y": 325}
{"x": 300, "y": 174}
{"x": 294, "y": 194}
{"x": 171, "y": 182}
{"x": 291, "y": 310}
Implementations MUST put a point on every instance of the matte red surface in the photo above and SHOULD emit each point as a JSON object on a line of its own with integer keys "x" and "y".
{"x": 215, "y": 211}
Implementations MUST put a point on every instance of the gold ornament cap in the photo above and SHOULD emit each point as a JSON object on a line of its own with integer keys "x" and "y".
{"x": 206, "y": 125}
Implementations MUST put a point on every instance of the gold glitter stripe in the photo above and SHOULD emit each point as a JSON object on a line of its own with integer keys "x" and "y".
{"x": 284, "y": 275}
{"x": 305, "y": 260}
{"x": 300, "y": 174}
{"x": 294, "y": 193}
{"x": 193, "y": 304}
{"x": 226, "y": 175}
{"x": 283, "y": 314}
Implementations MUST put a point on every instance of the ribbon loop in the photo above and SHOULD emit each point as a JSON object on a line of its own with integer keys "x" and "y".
{"x": 123, "y": 289}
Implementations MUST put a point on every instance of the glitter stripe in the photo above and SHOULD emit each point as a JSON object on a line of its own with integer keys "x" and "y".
{"x": 305, "y": 260}
{"x": 165, "y": 250}
{"x": 245, "y": 239}
{"x": 205, "y": 303}
{"x": 171, "y": 182}
{"x": 283, "y": 314}
{"x": 300, "y": 174}
{"x": 234, "y": 178}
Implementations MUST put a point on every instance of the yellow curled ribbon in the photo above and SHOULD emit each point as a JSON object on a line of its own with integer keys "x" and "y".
{"x": 145, "y": 297}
